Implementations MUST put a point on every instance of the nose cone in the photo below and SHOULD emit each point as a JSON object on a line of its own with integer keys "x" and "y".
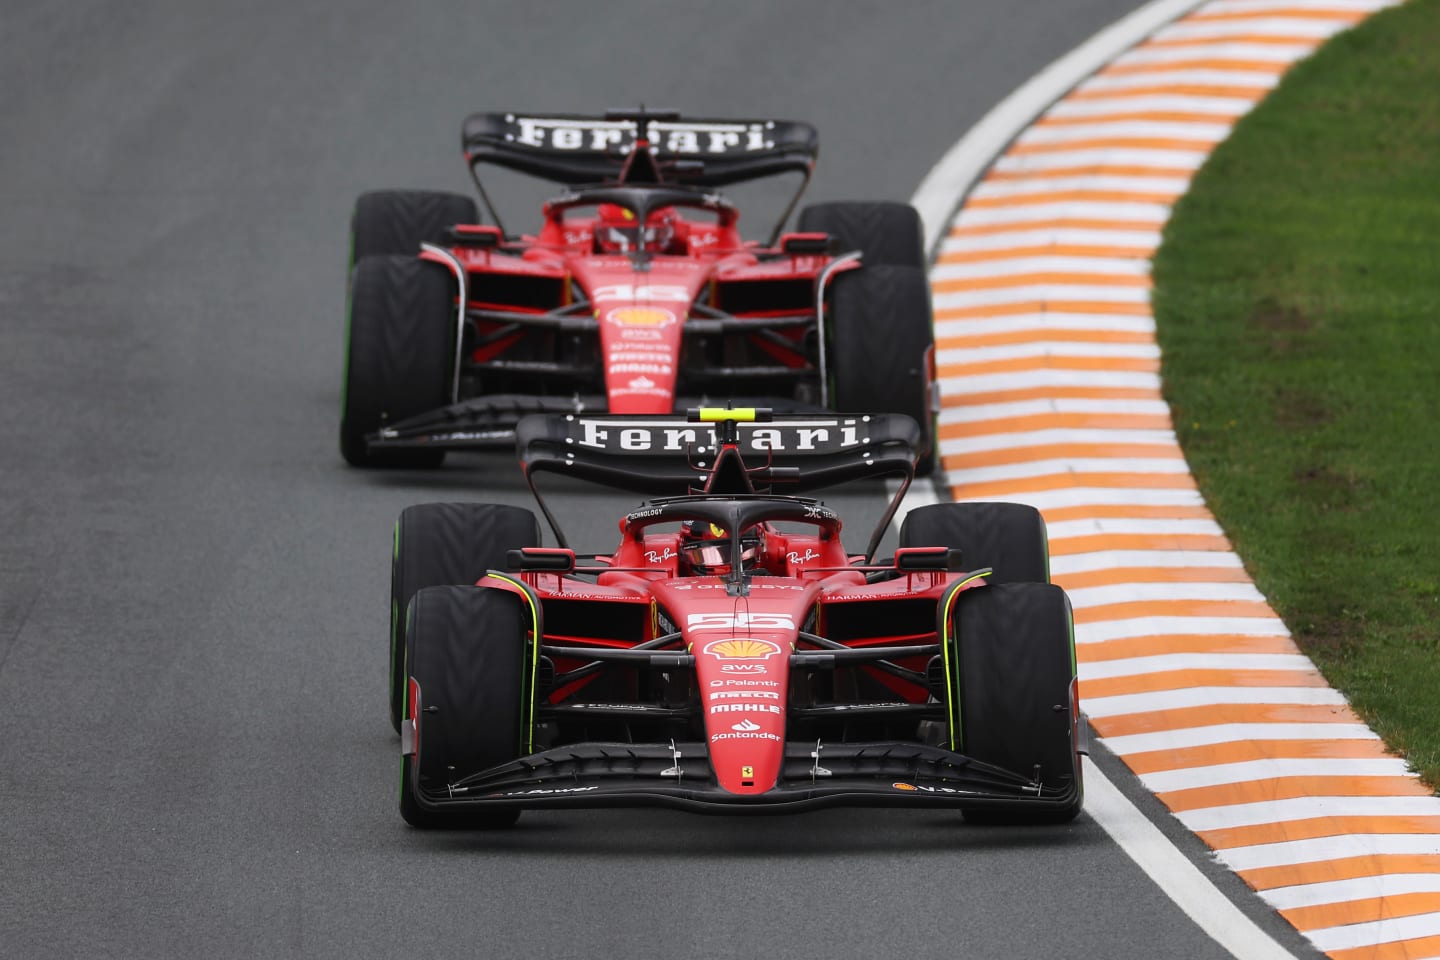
{"x": 744, "y": 684}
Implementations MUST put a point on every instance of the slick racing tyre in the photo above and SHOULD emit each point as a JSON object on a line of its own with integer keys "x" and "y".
{"x": 399, "y": 354}
{"x": 440, "y": 544}
{"x": 396, "y": 222}
{"x": 886, "y": 233}
{"x": 1014, "y": 659}
{"x": 880, "y": 334}
{"x": 465, "y": 649}
{"x": 1009, "y": 537}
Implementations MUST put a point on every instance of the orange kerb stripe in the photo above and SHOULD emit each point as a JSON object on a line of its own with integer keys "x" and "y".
{"x": 1030, "y": 279}
{"x": 1066, "y": 451}
{"x": 1127, "y": 647}
{"x": 1140, "y": 511}
{"x": 1288, "y": 788}
{"x": 1107, "y": 143}
{"x": 1254, "y": 94}
{"x": 1118, "y": 575}
{"x": 1364, "y": 911}
{"x": 1043, "y": 335}
{"x": 1065, "y": 481}
{"x": 1276, "y": 40}
{"x": 1052, "y": 421}
{"x": 1072, "y": 196}
{"x": 1056, "y": 223}
{"x": 1241, "y": 751}
{"x": 1209, "y": 716}
{"x": 1286, "y": 13}
{"x": 1132, "y": 364}
{"x": 1105, "y": 612}
{"x": 983, "y": 311}
{"x": 1399, "y": 950}
{"x": 1346, "y": 868}
{"x": 1122, "y": 115}
{"x": 1289, "y": 830}
{"x": 1090, "y": 170}
{"x": 1050, "y": 250}
{"x": 1199, "y": 63}
{"x": 1134, "y": 541}
{"x": 1045, "y": 393}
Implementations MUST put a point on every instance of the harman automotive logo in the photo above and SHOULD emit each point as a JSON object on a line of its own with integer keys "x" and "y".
{"x": 816, "y": 436}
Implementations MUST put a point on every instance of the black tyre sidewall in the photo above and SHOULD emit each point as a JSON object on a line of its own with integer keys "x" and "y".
{"x": 442, "y": 544}
{"x": 880, "y": 330}
{"x": 887, "y": 233}
{"x": 1015, "y": 664}
{"x": 396, "y": 222}
{"x": 400, "y": 345}
{"x": 1009, "y": 537}
{"x": 466, "y": 648}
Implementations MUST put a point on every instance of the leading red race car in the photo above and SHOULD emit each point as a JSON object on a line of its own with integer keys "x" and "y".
{"x": 637, "y": 295}
{"x": 730, "y": 654}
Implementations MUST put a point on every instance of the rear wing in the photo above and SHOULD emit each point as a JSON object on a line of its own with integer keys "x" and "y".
{"x": 574, "y": 150}
{"x": 717, "y": 451}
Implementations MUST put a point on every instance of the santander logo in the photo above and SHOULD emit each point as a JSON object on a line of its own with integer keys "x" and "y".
{"x": 745, "y": 726}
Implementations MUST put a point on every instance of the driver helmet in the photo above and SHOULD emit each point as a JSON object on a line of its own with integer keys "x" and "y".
{"x": 618, "y": 231}
{"x": 706, "y": 548}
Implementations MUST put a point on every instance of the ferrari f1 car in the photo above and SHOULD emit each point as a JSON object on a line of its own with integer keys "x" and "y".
{"x": 637, "y": 295}
{"x": 730, "y": 654}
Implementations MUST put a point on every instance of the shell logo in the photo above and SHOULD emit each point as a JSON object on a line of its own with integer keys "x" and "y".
{"x": 641, "y": 317}
{"x": 741, "y": 648}
{"x": 904, "y": 786}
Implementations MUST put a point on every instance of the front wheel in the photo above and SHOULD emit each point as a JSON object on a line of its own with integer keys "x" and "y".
{"x": 881, "y": 339}
{"x": 399, "y": 351}
{"x": 1009, "y": 538}
{"x": 465, "y": 653}
{"x": 441, "y": 544}
{"x": 1013, "y": 653}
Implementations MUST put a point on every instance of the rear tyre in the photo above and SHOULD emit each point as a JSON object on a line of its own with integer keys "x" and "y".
{"x": 396, "y": 222}
{"x": 1009, "y": 537}
{"x": 400, "y": 347}
{"x": 465, "y": 649}
{"x": 1014, "y": 656}
{"x": 441, "y": 544}
{"x": 886, "y": 233}
{"x": 880, "y": 337}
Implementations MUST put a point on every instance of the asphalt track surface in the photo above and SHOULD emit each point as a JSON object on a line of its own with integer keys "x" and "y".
{"x": 196, "y": 758}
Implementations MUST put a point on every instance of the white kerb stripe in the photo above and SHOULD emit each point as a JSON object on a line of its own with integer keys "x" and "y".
{"x": 1319, "y": 849}
{"x": 1185, "y": 526}
{"x": 1126, "y": 213}
{"x": 1247, "y": 79}
{"x": 1220, "y": 50}
{"x": 1028, "y": 292}
{"x": 985, "y": 269}
{"x": 1030, "y": 439}
{"x": 1184, "y": 626}
{"x": 1126, "y": 130}
{"x": 1166, "y": 662}
{"x": 1356, "y": 935}
{"x": 1158, "y": 158}
{"x": 1125, "y": 559}
{"x": 1057, "y": 324}
{"x": 1058, "y": 406}
{"x": 1344, "y": 891}
{"x": 962, "y": 357}
{"x": 1195, "y": 29}
{"x": 1260, "y": 6}
{"x": 1049, "y": 468}
{"x": 1234, "y": 733}
{"x": 959, "y": 386}
{"x": 1103, "y": 497}
{"x": 1093, "y": 182}
{"x": 1249, "y": 771}
{"x": 1155, "y": 103}
{"x": 1307, "y": 808}
{"x": 1024, "y": 236}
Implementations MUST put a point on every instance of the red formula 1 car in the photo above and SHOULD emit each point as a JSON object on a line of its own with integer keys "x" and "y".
{"x": 730, "y": 654}
{"x": 637, "y": 295}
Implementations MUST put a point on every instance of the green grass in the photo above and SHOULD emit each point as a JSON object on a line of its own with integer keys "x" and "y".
{"x": 1297, "y": 294}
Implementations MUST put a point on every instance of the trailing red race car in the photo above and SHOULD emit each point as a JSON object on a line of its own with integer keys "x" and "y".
{"x": 637, "y": 295}
{"x": 730, "y": 654}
